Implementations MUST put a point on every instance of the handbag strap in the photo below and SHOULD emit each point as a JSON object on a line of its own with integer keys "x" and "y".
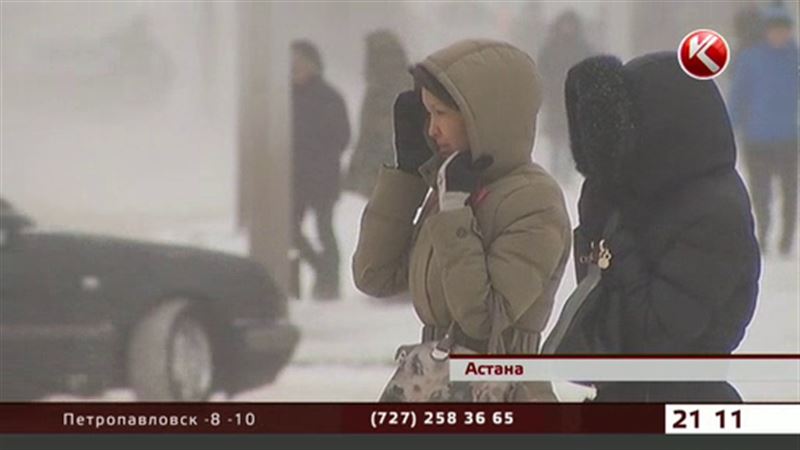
{"x": 578, "y": 296}
{"x": 444, "y": 346}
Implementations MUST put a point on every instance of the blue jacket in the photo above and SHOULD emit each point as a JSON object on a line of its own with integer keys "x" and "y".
{"x": 764, "y": 94}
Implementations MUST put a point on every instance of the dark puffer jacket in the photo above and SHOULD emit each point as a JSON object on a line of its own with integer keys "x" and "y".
{"x": 657, "y": 146}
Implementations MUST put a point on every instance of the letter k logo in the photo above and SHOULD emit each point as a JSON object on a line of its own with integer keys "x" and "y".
{"x": 703, "y": 54}
{"x": 698, "y": 50}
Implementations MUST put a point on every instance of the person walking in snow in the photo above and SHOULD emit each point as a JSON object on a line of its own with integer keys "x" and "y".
{"x": 320, "y": 133}
{"x": 763, "y": 100}
{"x": 680, "y": 269}
{"x": 492, "y": 234}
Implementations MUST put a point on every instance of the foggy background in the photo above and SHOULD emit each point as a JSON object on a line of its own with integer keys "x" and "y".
{"x": 156, "y": 121}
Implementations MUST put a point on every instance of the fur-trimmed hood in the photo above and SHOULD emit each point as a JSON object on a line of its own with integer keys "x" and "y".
{"x": 645, "y": 127}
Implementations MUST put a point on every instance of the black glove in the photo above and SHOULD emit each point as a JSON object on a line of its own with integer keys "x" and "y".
{"x": 410, "y": 146}
{"x": 459, "y": 177}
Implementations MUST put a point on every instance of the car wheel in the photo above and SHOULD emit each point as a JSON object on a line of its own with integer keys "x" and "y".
{"x": 171, "y": 355}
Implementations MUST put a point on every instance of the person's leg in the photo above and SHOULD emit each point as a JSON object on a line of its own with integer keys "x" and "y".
{"x": 294, "y": 253}
{"x": 756, "y": 158}
{"x": 327, "y": 283}
{"x": 788, "y": 176}
{"x": 302, "y": 249}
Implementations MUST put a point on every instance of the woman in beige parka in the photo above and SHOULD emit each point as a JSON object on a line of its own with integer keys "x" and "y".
{"x": 475, "y": 229}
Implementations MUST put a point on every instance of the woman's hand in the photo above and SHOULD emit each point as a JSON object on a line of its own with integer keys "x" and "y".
{"x": 410, "y": 146}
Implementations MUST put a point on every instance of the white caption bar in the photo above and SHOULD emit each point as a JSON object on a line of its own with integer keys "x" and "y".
{"x": 732, "y": 419}
{"x": 625, "y": 369}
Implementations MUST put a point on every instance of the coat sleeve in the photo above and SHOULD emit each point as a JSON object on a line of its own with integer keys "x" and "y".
{"x": 380, "y": 263}
{"x": 511, "y": 271}
{"x": 336, "y": 125}
{"x": 667, "y": 301}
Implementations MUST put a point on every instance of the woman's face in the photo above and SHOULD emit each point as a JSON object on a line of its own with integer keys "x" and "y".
{"x": 446, "y": 126}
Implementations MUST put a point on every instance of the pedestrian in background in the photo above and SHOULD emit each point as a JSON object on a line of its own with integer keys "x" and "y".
{"x": 564, "y": 47}
{"x": 320, "y": 133}
{"x": 763, "y": 106}
{"x": 386, "y": 76}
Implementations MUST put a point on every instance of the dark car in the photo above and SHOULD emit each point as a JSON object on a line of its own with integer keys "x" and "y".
{"x": 82, "y": 313}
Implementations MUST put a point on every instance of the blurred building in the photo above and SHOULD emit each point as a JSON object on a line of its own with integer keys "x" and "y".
{"x": 129, "y": 117}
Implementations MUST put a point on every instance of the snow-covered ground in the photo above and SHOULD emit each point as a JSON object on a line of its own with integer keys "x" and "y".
{"x": 347, "y": 346}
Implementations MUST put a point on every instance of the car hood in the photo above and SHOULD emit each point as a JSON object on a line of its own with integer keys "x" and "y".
{"x": 111, "y": 244}
{"x": 135, "y": 270}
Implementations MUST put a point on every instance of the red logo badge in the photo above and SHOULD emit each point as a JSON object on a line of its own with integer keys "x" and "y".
{"x": 703, "y": 54}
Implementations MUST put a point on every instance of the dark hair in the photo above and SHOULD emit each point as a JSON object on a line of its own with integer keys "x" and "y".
{"x": 776, "y": 15}
{"x": 424, "y": 79}
{"x": 785, "y": 22}
{"x": 309, "y": 51}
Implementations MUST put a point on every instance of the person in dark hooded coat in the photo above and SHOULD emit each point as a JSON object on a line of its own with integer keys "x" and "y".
{"x": 656, "y": 146}
{"x": 320, "y": 133}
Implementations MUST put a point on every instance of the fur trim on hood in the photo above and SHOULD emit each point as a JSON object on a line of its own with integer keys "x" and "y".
{"x": 645, "y": 127}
